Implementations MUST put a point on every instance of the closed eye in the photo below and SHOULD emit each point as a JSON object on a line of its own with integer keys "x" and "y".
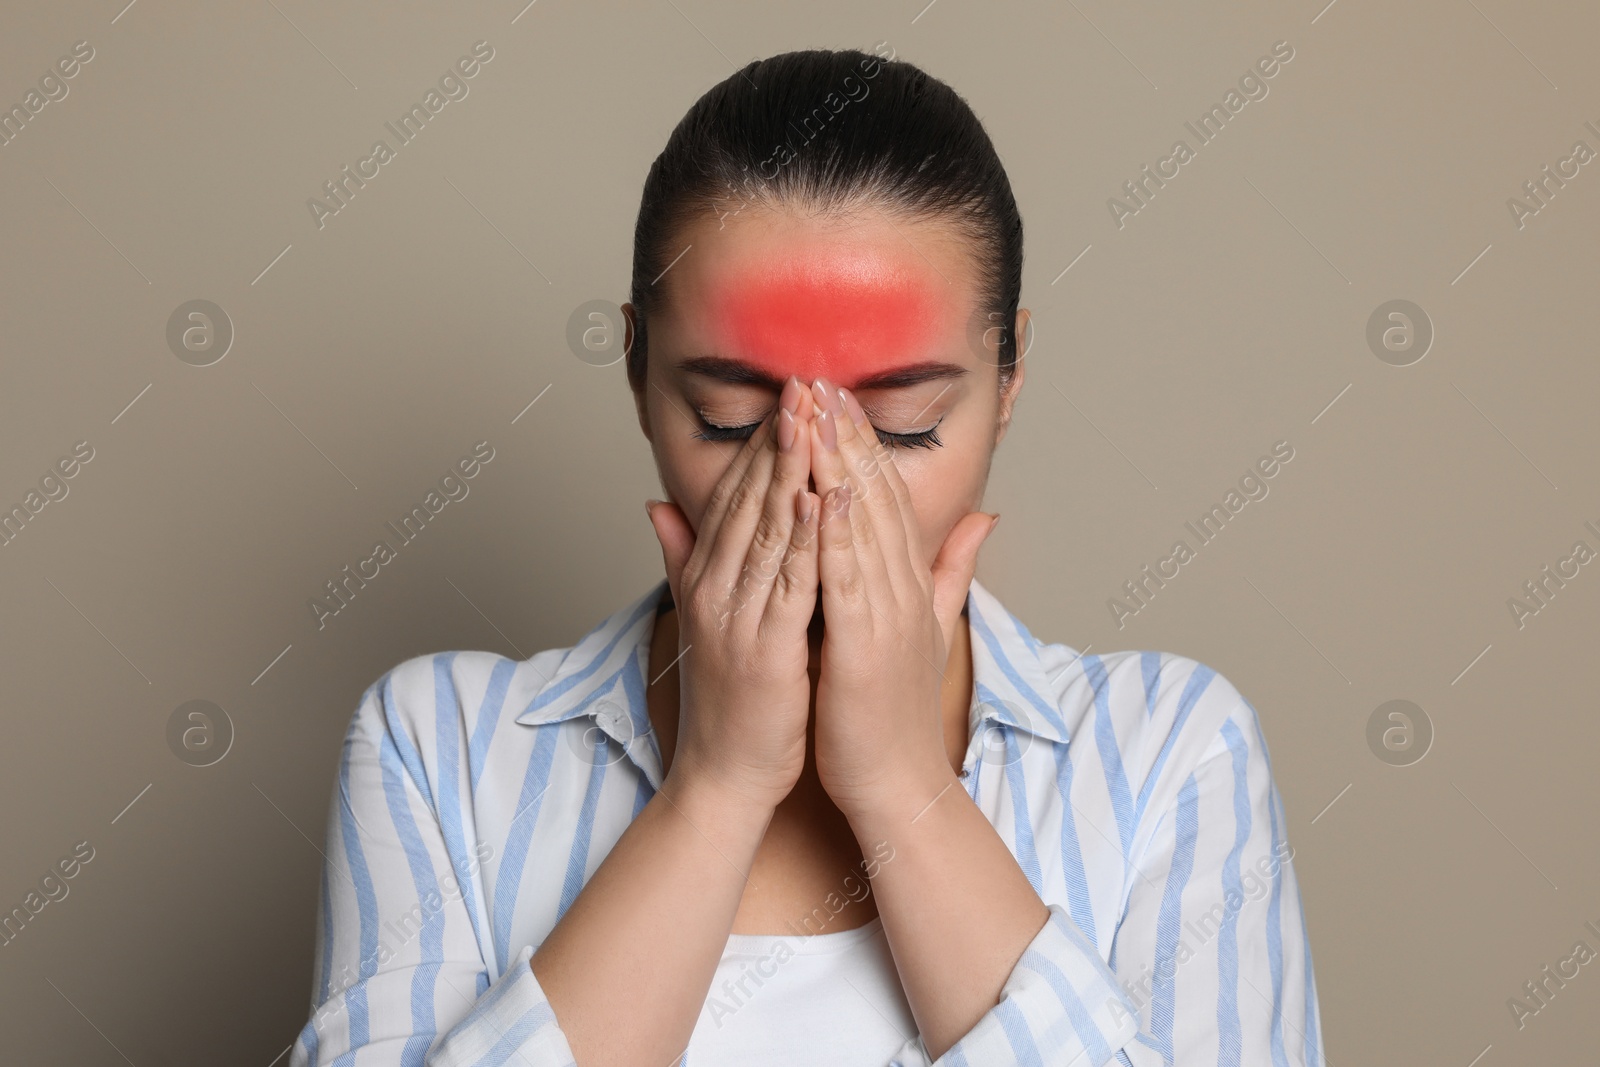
{"x": 928, "y": 438}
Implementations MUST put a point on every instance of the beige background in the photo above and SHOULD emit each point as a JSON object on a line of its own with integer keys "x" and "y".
{"x": 1230, "y": 313}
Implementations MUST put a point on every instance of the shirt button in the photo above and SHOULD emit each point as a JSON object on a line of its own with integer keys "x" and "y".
{"x": 609, "y": 717}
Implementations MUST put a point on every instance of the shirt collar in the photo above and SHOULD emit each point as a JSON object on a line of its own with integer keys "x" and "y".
{"x": 603, "y": 674}
{"x": 1009, "y": 682}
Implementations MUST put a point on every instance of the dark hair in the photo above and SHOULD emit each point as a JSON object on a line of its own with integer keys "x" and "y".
{"x": 908, "y": 142}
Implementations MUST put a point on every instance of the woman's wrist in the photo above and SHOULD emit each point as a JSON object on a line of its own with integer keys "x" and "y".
{"x": 711, "y": 805}
{"x": 899, "y": 801}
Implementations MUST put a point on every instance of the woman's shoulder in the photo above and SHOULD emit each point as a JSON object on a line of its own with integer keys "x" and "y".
{"x": 1148, "y": 713}
{"x": 463, "y": 685}
{"x": 480, "y": 689}
{"x": 1134, "y": 700}
{"x": 1142, "y": 689}
{"x": 1141, "y": 726}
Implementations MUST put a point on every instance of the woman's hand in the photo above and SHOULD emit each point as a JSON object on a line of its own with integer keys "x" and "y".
{"x": 745, "y": 588}
{"x": 889, "y": 618}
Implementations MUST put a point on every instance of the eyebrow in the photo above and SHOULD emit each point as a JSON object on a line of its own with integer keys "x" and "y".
{"x": 737, "y": 372}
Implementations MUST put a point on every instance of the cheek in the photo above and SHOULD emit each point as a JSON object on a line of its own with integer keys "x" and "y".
{"x": 688, "y": 467}
{"x": 692, "y": 473}
{"x": 946, "y": 484}
{"x": 940, "y": 496}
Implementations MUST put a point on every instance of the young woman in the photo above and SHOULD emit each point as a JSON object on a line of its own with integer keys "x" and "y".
{"x": 817, "y": 797}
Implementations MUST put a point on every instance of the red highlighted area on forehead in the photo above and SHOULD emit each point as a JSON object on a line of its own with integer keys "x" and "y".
{"x": 836, "y": 316}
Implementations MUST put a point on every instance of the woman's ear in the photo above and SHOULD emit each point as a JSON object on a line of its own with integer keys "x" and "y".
{"x": 1008, "y": 394}
{"x": 638, "y": 387}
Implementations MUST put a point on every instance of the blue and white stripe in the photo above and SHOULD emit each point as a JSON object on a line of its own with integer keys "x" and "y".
{"x": 477, "y": 795}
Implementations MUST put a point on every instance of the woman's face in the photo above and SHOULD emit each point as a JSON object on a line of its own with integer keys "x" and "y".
{"x": 882, "y": 305}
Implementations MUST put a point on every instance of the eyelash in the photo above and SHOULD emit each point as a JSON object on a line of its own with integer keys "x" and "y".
{"x": 928, "y": 438}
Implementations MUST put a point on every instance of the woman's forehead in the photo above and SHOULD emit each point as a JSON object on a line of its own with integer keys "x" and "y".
{"x": 822, "y": 303}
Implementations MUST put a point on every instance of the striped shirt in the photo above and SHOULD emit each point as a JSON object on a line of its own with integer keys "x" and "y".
{"x": 477, "y": 794}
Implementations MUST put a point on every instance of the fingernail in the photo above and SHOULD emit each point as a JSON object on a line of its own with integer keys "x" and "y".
{"x": 786, "y": 429}
{"x": 802, "y": 503}
{"x": 789, "y": 400}
{"x": 648, "y": 504}
{"x": 829, "y": 430}
{"x": 993, "y": 523}
{"x": 827, "y": 396}
{"x": 853, "y": 406}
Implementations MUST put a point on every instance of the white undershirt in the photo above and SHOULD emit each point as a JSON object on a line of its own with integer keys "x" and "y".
{"x": 831, "y": 998}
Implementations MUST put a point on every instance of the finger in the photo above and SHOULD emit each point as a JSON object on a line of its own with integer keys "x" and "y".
{"x": 676, "y": 537}
{"x": 794, "y": 592}
{"x": 871, "y": 461}
{"x": 830, "y": 468}
{"x": 890, "y": 471}
{"x": 741, "y": 485}
{"x": 841, "y": 585}
{"x": 955, "y": 565}
{"x": 771, "y": 528}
